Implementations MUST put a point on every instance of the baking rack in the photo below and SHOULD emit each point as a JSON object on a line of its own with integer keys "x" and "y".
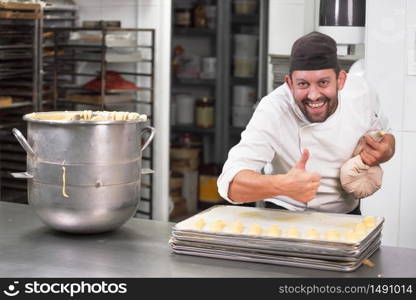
{"x": 20, "y": 85}
{"x": 84, "y": 53}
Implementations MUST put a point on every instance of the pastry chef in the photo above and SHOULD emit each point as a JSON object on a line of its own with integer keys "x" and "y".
{"x": 303, "y": 132}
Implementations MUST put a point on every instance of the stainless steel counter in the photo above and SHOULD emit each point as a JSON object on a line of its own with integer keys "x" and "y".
{"x": 140, "y": 249}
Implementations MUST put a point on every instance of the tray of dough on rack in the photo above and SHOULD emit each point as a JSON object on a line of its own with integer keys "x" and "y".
{"x": 327, "y": 241}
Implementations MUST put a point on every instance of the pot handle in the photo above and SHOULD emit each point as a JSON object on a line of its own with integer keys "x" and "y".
{"x": 152, "y": 131}
{"x": 22, "y": 141}
{"x": 22, "y": 175}
{"x": 146, "y": 171}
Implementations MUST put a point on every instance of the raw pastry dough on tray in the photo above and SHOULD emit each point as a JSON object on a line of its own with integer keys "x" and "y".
{"x": 259, "y": 222}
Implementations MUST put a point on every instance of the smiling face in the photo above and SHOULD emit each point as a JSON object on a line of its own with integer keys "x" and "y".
{"x": 316, "y": 92}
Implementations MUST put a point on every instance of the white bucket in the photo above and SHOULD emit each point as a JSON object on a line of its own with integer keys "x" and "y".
{"x": 245, "y": 45}
{"x": 209, "y": 67}
{"x": 245, "y": 66}
{"x": 211, "y": 13}
{"x": 185, "y": 109}
{"x": 243, "y": 95}
{"x": 241, "y": 115}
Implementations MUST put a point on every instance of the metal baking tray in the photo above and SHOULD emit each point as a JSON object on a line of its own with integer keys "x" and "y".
{"x": 264, "y": 217}
{"x": 340, "y": 255}
{"x": 278, "y": 260}
{"x": 322, "y": 250}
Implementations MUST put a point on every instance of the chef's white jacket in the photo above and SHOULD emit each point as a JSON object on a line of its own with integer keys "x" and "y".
{"x": 278, "y": 132}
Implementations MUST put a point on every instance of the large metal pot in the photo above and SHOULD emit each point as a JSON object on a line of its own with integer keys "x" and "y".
{"x": 83, "y": 176}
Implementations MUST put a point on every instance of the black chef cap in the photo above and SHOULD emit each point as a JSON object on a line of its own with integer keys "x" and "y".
{"x": 314, "y": 51}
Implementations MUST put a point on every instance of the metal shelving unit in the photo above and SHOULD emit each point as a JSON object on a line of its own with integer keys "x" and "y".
{"x": 206, "y": 86}
{"x": 194, "y": 31}
{"x": 223, "y": 135}
{"x": 255, "y": 23}
{"x": 193, "y": 129}
{"x": 21, "y": 82}
{"x": 57, "y": 13}
{"x": 193, "y": 82}
{"x": 215, "y": 42}
{"x": 78, "y": 59}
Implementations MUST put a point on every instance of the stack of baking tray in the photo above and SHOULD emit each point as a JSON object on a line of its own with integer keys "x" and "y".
{"x": 326, "y": 241}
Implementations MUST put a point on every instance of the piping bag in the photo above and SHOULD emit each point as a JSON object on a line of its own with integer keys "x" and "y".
{"x": 357, "y": 178}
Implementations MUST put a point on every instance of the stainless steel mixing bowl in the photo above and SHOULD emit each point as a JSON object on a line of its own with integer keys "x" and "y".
{"x": 83, "y": 176}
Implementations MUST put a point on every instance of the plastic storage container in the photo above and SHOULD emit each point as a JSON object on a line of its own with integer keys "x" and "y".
{"x": 183, "y": 17}
{"x": 245, "y": 44}
{"x": 185, "y": 104}
{"x": 243, "y": 95}
{"x": 245, "y": 66}
{"x": 185, "y": 153}
{"x": 211, "y": 13}
{"x": 209, "y": 67}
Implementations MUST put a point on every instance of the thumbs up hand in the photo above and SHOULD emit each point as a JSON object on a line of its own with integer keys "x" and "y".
{"x": 299, "y": 184}
{"x": 301, "y": 164}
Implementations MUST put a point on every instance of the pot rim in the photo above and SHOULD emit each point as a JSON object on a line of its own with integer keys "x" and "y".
{"x": 29, "y": 118}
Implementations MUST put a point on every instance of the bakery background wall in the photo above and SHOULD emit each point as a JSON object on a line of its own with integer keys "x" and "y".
{"x": 389, "y": 61}
{"x": 146, "y": 14}
{"x": 392, "y": 30}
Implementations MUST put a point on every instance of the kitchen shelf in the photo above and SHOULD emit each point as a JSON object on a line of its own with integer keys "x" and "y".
{"x": 249, "y": 19}
{"x": 100, "y": 61}
{"x": 104, "y": 29}
{"x": 244, "y": 81}
{"x": 76, "y": 87}
{"x": 12, "y": 157}
{"x": 21, "y": 28}
{"x": 15, "y": 83}
{"x": 100, "y": 104}
{"x": 9, "y": 126}
{"x": 193, "y": 82}
{"x": 216, "y": 43}
{"x": 221, "y": 88}
{"x": 59, "y": 18}
{"x": 16, "y": 105}
{"x": 195, "y": 32}
{"x": 20, "y": 15}
{"x": 7, "y": 47}
{"x": 72, "y": 102}
{"x": 35, "y": 7}
{"x": 60, "y": 8}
